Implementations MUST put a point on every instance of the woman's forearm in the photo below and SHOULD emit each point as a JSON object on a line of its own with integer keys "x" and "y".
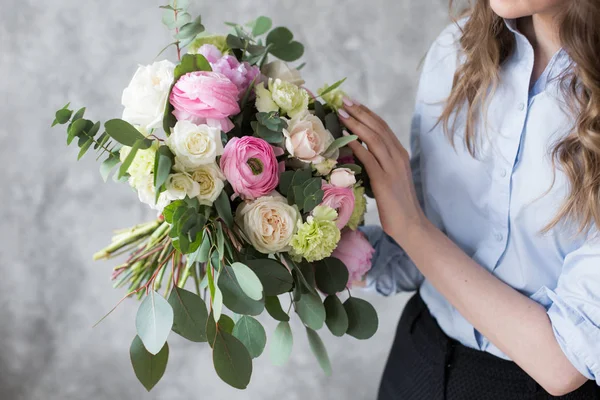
{"x": 517, "y": 325}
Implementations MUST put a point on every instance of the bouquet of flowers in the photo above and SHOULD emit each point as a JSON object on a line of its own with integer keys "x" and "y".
{"x": 257, "y": 195}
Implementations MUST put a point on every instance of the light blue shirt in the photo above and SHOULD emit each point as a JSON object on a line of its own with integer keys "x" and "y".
{"x": 495, "y": 206}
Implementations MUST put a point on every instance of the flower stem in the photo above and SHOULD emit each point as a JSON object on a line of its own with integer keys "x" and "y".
{"x": 125, "y": 239}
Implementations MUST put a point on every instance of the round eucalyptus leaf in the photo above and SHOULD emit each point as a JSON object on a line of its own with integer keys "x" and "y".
{"x": 331, "y": 275}
{"x": 234, "y": 297}
{"x": 248, "y": 281}
{"x": 282, "y": 342}
{"x": 154, "y": 321}
{"x": 189, "y": 315}
{"x": 252, "y": 334}
{"x": 311, "y": 311}
{"x": 274, "y": 276}
{"x": 362, "y": 318}
{"x": 274, "y": 309}
{"x": 148, "y": 368}
{"x": 318, "y": 349}
{"x": 232, "y": 361}
{"x": 337, "y": 319}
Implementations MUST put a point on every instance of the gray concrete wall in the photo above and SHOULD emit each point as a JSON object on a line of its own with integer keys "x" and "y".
{"x": 55, "y": 212}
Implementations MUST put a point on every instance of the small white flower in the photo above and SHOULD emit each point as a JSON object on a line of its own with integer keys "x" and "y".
{"x": 147, "y": 194}
{"x": 280, "y": 70}
{"x": 181, "y": 184}
{"x": 342, "y": 177}
{"x": 145, "y": 98}
{"x": 195, "y": 145}
{"x": 269, "y": 222}
{"x": 211, "y": 181}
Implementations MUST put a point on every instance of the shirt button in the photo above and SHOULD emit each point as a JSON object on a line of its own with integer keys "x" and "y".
{"x": 498, "y": 236}
{"x": 521, "y": 106}
{"x": 503, "y": 173}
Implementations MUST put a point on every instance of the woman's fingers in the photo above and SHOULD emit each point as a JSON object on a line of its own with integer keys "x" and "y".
{"x": 365, "y": 156}
{"x": 374, "y": 142}
{"x": 367, "y": 117}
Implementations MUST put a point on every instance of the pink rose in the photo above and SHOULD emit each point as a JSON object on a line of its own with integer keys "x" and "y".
{"x": 355, "y": 251}
{"x": 250, "y": 165}
{"x": 341, "y": 199}
{"x": 204, "y": 97}
{"x": 241, "y": 74}
{"x": 306, "y": 138}
{"x": 342, "y": 177}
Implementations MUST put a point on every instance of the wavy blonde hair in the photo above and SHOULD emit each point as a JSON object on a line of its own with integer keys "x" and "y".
{"x": 487, "y": 43}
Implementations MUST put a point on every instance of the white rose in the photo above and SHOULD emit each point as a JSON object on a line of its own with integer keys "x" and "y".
{"x": 211, "y": 181}
{"x": 269, "y": 222}
{"x": 146, "y": 96}
{"x": 324, "y": 167}
{"x": 306, "y": 138}
{"x": 142, "y": 165}
{"x": 181, "y": 184}
{"x": 147, "y": 194}
{"x": 195, "y": 145}
{"x": 342, "y": 177}
{"x": 281, "y": 70}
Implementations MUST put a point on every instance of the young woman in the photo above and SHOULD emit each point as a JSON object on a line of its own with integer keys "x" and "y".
{"x": 495, "y": 219}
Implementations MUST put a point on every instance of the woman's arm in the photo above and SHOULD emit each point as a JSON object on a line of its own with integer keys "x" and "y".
{"x": 517, "y": 325}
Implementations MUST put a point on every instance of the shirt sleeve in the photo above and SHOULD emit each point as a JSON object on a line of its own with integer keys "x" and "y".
{"x": 574, "y": 308}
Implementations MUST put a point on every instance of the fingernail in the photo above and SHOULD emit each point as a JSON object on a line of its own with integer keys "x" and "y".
{"x": 345, "y": 133}
{"x": 347, "y": 101}
{"x": 343, "y": 113}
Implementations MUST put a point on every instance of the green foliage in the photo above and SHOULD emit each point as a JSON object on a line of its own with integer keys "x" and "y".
{"x": 274, "y": 309}
{"x": 318, "y": 349}
{"x": 311, "y": 310}
{"x": 63, "y": 115}
{"x": 125, "y": 133}
{"x": 231, "y": 360}
{"x": 191, "y": 63}
{"x": 282, "y": 342}
{"x": 332, "y": 87}
{"x": 190, "y": 30}
{"x": 362, "y": 318}
{"x": 248, "y": 281}
{"x": 269, "y": 126}
{"x": 148, "y": 368}
{"x": 283, "y": 46}
{"x": 252, "y": 334}
{"x": 154, "y": 321}
{"x": 274, "y": 276}
{"x": 234, "y": 297}
{"x": 332, "y": 123}
{"x": 331, "y": 275}
{"x": 107, "y": 166}
{"x": 304, "y": 190}
{"x": 189, "y": 314}
{"x": 223, "y": 207}
{"x": 337, "y": 319}
{"x": 163, "y": 162}
{"x": 261, "y": 26}
{"x": 129, "y": 159}
{"x": 353, "y": 167}
{"x": 187, "y": 224}
{"x": 339, "y": 143}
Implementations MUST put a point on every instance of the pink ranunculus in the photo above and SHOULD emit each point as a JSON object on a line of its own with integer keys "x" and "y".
{"x": 210, "y": 52}
{"x": 205, "y": 97}
{"x": 341, "y": 199}
{"x": 250, "y": 165}
{"x": 355, "y": 251}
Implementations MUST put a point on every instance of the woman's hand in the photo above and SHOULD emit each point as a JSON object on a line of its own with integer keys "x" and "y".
{"x": 388, "y": 165}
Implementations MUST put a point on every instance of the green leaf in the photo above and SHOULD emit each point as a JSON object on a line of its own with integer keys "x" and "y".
{"x": 332, "y": 123}
{"x": 217, "y": 306}
{"x": 280, "y": 36}
{"x": 267, "y": 134}
{"x": 234, "y": 297}
{"x": 182, "y": 19}
{"x": 282, "y": 342}
{"x": 312, "y": 186}
{"x": 204, "y": 250}
{"x": 274, "y": 309}
{"x": 62, "y": 116}
{"x": 124, "y": 133}
{"x": 261, "y": 26}
{"x": 170, "y": 211}
{"x": 79, "y": 114}
{"x": 252, "y": 334}
{"x": 337, "y": 319}
{"x": 163, "y": 162}
{"x": 362, "y": 318}
{"x": 191, "y": 63}
{"x": 318, "y": 349}
{"x": 331, "y": 275}
{"x": 234, "y": 42}
{"x": 353, "y": 167}
{"x": 180, "y": 4}
{"x": 274, "y": 276}
{"x": 190, "y": 30}
{"x": 130, "y": 157}
{"x": 248, "y": 281}
{"x": 232, "y": 361}
{"x": 226, "y": 324}
{"x": 148, "y": 368}
{"x": 285, "y": 180}
{"x": 189, "y": 315}
{"x": 154, "y": 321}
{"x": 333, "y": 87}
{"x": 339, "y": 143}
{"x": 85, "y": 147}
{"x": 283, "y": 46}
{"x": 310, "y": 202}
{"x": 223, "y": 207}
{"x": 77, "y": 128}
{"x": 107, "y": 166}
{"x": 168, "y": 18}
{"x": 311, "y": 311}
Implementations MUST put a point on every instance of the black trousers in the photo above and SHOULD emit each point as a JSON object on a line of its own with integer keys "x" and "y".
{"x": 425, "y": 364}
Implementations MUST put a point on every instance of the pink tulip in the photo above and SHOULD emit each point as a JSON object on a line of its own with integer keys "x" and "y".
{"x": 341, "y": 199}
{"x": 250, "y": 165}
{"x": 355, "y": 251}
{"x": 204, "y": 97}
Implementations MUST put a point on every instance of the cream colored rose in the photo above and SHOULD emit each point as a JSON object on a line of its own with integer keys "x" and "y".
{"x": 147, "y": 194}
{"x": 211, "y": 181}
{"x": 269, "y": 222}
{"x": 281, "y": 70}
{"x": 306, "y": 138}
{"x": 342, "y": 177}
{"x": 142, "y": 164}
{"x": 195, "y": 145}
{"x": 181, "y": 184}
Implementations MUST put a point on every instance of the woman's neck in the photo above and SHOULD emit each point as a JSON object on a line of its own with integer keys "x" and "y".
{"x": 542, "y": 32}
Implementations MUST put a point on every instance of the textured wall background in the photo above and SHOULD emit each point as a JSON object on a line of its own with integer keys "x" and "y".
{"x": 55, "y": 212}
